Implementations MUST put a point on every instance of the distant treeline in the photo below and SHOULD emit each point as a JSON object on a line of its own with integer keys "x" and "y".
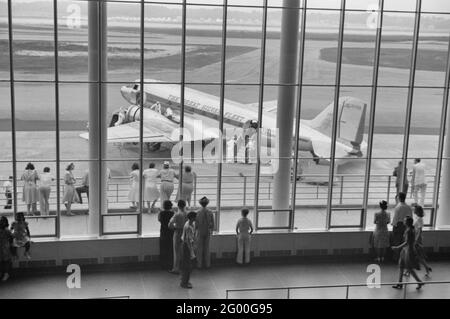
{"x": 245, "y": 34}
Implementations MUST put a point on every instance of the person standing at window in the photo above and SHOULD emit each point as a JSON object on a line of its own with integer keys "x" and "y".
{"x": 205, "y": 227}
{"x": 45, "y": 186}
{"x": 419, "y": 182}
{"x": 188, "y": 251}
{"x": 7, "y": 187}
{"x": 187, "y": 186}
{"x": 70, "y": 194}
{"x": 133, "y": 194}
{"x": 244, "y": 230}
{"x": 381, "y": 234}
{"x": 30, "y": 189}
{"x": 166, "y": 236}
{"x": 167, "y": 176}
{"x": 177, "y": 223}
{"x": 151, "y": 192}
{"x": 408, "y": 255}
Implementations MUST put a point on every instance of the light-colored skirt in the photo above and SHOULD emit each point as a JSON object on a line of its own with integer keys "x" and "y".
{"x": 133, "y": 195}
{"x": 30, "y": 194}
{"x": 381, "y": 239}
{"x": 166, "y": 191}
{"x": 151, "y": 193}
{"x": 70, "y": 195}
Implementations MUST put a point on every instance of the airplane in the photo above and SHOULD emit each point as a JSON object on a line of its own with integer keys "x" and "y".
{"x": 162, "y": 107}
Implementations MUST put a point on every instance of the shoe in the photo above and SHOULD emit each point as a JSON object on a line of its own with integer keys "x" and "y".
{"x": 27, "y": 255}
{"x": 419, "y": 286}
{"x": 70, "y": 214}
{"x": 174, "y": 272}
{"x": 5, "y": 277}
{"x": 397, "y": 286}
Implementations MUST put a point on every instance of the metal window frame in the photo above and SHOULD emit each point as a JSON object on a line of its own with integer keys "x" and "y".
{"x": 13, "y": 105}
{"x": 100, "y": 82}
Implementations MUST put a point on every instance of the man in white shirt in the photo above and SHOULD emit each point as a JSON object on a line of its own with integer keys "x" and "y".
{"x": 402, "y": 210}
{"x": 7, "y": 186}
{"x": 419, "y": 182}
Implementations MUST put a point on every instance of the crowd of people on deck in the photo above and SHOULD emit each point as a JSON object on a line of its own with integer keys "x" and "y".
{"x": 405, "y": 240}
{"x": 185, "y": 238}
{"x": 185, "y": 234}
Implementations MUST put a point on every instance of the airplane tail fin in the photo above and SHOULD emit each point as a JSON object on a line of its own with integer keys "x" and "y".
{"x": 351, "y": 121}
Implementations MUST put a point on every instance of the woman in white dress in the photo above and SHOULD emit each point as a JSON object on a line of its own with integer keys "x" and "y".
{"x": 70, "y": 194}
{"x": 133, "y": 195}
{"x": 151, "y": 192}
{"x": 45, "y": 186}
{"x": 30, "y": 189}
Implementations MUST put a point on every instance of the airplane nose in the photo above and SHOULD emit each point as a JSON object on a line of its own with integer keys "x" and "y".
{"x": 126, "y": 93}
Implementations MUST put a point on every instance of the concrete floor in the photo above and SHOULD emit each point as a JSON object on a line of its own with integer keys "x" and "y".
{"x": 213, "y": 283}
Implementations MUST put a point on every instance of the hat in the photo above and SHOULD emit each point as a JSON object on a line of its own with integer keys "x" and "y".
{"x": 204, "y": 201}
{"x": 166, "y": 163}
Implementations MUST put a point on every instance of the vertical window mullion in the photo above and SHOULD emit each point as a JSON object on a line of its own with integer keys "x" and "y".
{"x": 299, "y": 106}
{"x": 260, "y": 108}
{"x": 58, "y": 157}
{"x": 373, "y": 105}
{"x": 141, "y": 110}
{"x": 222, "y": 109}
{"x": 335, "y": 113}
{"x": 412, "y": 80}
{"x": 13, "y": 105}
{"x": 182, "y": 92}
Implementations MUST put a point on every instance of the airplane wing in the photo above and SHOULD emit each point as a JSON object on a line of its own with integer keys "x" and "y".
{"x": 157, "y": 129}
{"x": 129, "y": 133}
{"x": 269, "y": 106}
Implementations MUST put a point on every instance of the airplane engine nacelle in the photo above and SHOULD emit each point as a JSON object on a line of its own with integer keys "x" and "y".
{"x": 126, "y": 115}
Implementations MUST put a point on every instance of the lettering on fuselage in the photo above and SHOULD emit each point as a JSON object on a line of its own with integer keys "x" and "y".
{"x": 210, "y": 111}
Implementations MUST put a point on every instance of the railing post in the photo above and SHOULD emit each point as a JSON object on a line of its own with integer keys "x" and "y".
{"x": 117, "y": 193}
{"x": 342, "y": 190}
{"x": 405, "y": 289}
{"x": 288, "y": 293}
{"x": 245, "y": 190}
{"x": 347, "y": 292}
{"x": 270, "y": 189}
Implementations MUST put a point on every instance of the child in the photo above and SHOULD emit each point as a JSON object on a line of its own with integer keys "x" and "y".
{"x": 244, "y": 230}
{"x": 188, "y": 253}
{"x": 6, "y": 240}
{"x": 21, "y": 235}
